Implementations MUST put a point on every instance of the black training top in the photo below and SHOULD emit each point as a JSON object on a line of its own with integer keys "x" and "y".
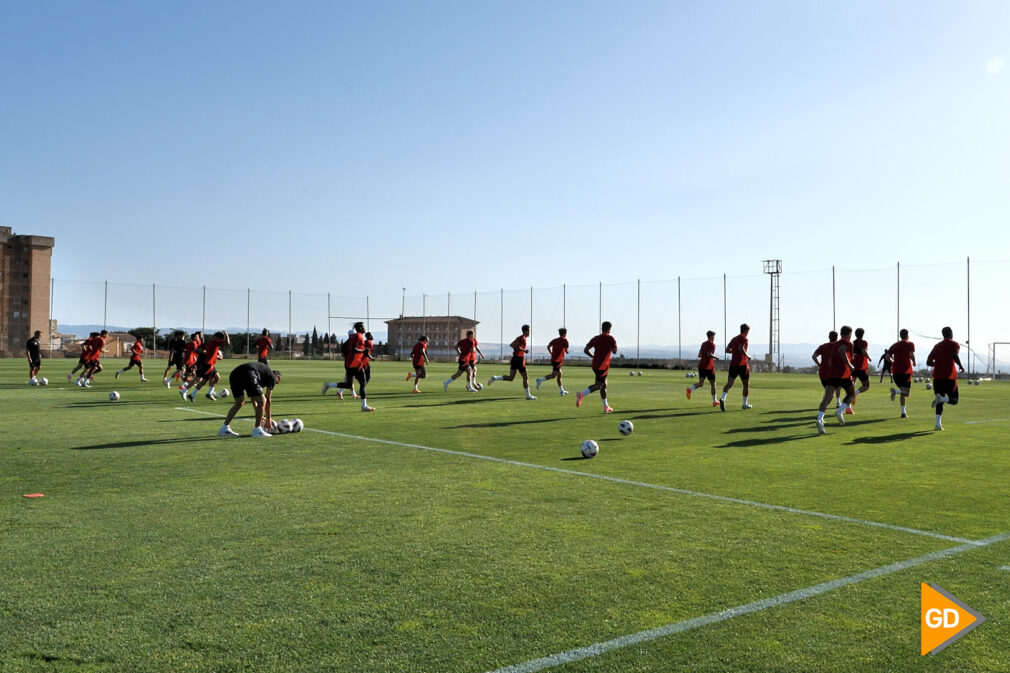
{"x": 34, "y": 348}
{"x": 257, "y": 373}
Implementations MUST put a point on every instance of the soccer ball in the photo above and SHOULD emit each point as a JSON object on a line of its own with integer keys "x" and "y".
{"x": 45, "y": 382}
{"x": 929, "y": 386}
{"x": 631, "y": 373}
{"x": 625, "y": 427}
{"x": 479, "y": 386}
{"x": 284, "y": 427}
{"x": 639, "y": 373}
{"x": 590, "y": 449}
{"x": 978, "y": 382}
{"x": 297, "y": 425}
{"x": 224, "y": 393}
{"x": 113, "y": 396}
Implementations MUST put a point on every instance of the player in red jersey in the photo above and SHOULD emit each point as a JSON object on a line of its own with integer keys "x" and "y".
{"x": 738, "y": 366}
{"x": 861, "y": 362}
{"x": 419, "y": 358}
{"x": 263, "y": 347}
{"x": 93, "y": 364}
{"x": 557, "y": 349}
{"x": 190, "y": 357}
{"x": 206, "y": 367}
{"x": 706, "y": 367}
{"x": 82, "y": 361}
{"x": 518, "y": 362}
{"x": 466, "y": 351}
{"x": 355, "y": 353}
{"x": 366, "y": 362}
{"x": 600, "y": 348}
{"x": 942, "y": 359}
{"x": 839, "y": 376}
{"x": 136, "y": 352}
{"x": 902, "y": 356}
{"x": 822, "y": 357}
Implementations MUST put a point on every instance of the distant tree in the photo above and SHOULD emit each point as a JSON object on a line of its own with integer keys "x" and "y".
{"x": 146, "y": 334}
{"x": 307, "y": 345}
{"x": 315, "y": 343}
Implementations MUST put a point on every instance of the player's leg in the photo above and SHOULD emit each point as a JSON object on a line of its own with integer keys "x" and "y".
{"x": 362, "y": 379}
{"x": 526, "y": 383}
{"x": 238, "y": 401}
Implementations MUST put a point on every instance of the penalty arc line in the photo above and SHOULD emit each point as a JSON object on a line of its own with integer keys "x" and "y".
{"x": 597, "y": 649}
{"x": 630, "y": 482}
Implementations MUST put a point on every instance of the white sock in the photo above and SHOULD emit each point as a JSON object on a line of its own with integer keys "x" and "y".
{"x": 527, "y": 391}
{"x": 541, "y": 381}
{"x": 364, "y": 403}
{"x": 447, "y": 382}
{"x": 714, "y": 400}
{"x": 820, "y": 415}
{"x": 605, "y": 405}
{"x": 745, "y": 400}
{"x": 498, "y": 378}
{"x": 903, "y": 409}
{"x": 938, "y": 417}
{"x": 585, "y": 392}
{"x": 211, "y": 391}
{"x": 723, "y": 396}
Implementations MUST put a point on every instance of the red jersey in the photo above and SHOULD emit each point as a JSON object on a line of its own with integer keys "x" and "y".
{"x": 859, "y": 350}
{"x": 737, "y": 345}
{"x": 86, "y": 347}
{"x": 417, "y": 355}
{"x": 840, "y": 360}
{"x": 191, "y": 349}
{"x": 603, "y": 346}
{"x": 466, "y": 348}
{"x": 941, "y": 359}
{"x": 211, "y": 350}
{"x": 827, "y": 351}
{"x": 557, "y": 348}
{"x": 354, "y": 352}
{"x": 706, "y": 356}
{"x": 97, "y": 345}
{"x": 366, "y": 358}
{"x": 263, "y": 346}
{"x": 901, "y": 357}
{"x": 518, "y": 347}
{"x": 138, "y": 350}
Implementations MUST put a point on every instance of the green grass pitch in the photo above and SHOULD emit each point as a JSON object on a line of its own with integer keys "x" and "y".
{"x": 160, "y": 547}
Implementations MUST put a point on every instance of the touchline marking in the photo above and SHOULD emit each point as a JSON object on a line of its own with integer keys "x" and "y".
{"x": 988, "y": 420}
{"x": 629, "y": 482}
{"x": 757, "y": 606}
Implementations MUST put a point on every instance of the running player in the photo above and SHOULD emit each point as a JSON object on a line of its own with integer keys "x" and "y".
{"x": 419, "y": 358}
{"x": 466, "y": 350}
{"x": 176, "y": 357}
{"x": 206, "y": 367}
{"x": 885, "y": 360}
{"x": 839, "y": 377}
{"x": 366, "y": 362}
{"x": 263, "y": 347}
{"x": 738, "y": 366}
{"x": 257, "y": 381}
{"x": 518, "y": 362}
{"x": 82, "y": 361}
{"x": 861, "y": 360}
{"x": 942, "y": 359}
{"x": 902, "y": 355}
{"x": 136, "y": 351}
{"x": 191, "y": 356}
{"x": 600, "y": 348}
{"x": 34, "y": 349}
{"x": 94, "y": 363}
{"x": 822, "y": 357}
{"x": 706, "y": 367}
{"x": 557, "y": 349}
{"x": 354, "y": 363}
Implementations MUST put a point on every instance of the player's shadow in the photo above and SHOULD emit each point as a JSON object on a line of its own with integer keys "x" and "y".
{"x": 886, "y": 439}
{"x": 770, "y": 428}
{"x": 450, "y": 403}
{"x": 118, "y": 403}
{"x": 576, "y": 458}
{"x": 141, "y": 442}
{"x": 787, "y": 412}
{"x": 647, "y": 416}
{"x": 762, "y": 441}
{"x": 504, "y": 424}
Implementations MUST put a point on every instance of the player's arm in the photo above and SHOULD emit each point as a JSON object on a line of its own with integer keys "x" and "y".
{"x": 515, "y": 345}
{"x": 930, "y": 359}
{"x": 227, "y": 339}
{"x": 957, "y": 359}
{"x": 479, "y": 352}
{"x": 587, "y": 351}
{"x": 814, "y": 357}
{"x": 843, "y": 351}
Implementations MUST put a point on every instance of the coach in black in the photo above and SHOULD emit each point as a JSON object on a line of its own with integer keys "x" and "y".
{"x": 34, "y": 349}
{"x": 257, "y": 381}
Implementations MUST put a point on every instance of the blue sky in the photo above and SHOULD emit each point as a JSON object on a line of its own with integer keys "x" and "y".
{"x": 359, "y": 148}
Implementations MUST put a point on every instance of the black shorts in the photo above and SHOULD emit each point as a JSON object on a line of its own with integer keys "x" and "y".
{"x": 556, "y": 366}
{"x": 264, "y": 361}
{"x": 601, "y": 375}
{"x": 135, "y": 361}
{"x": 204, "y": 370}
{"x": 861, "y": 375}
{"x": 37, "y": 362}
{"x": 706, "y": 374}
{"x": 82, "y": 362}
{"x": 243, "y": 383}
{"x": 887, "y": 368}
{"x": 743, "y": 371}
{"x": 464, "y": 365}
{"x": 902, "y": 380}
{"x": 837, "y": 383}
{"x": 420, "y": 371}
{"x": 946, "y": 387}
{"x": 518, "y": 363}
{"x": 178, "y": 361}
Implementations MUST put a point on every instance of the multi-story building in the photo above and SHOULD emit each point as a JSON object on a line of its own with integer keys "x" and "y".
{"x": 443, "y": 333}
{"x": 25, "y": 268}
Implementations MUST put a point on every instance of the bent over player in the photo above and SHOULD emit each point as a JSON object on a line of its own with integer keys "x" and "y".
{"x": 257, "y": 381}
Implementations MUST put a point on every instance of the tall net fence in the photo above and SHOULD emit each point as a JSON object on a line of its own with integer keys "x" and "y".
{"x": 652, "y": 320}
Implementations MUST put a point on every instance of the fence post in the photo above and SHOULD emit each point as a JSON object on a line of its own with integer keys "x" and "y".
{"x": 154, "y": 317}
{"x": 501, "y": 324}
{"x": 105, "y": 315}
{"x": 638, "y": 327}
{"x": 530, "y": 345}
{"x": 680, "y": 347}
{"x": 52, "y": 298}
{"x": 725, "y": 322}
{"x": 291, "y": 341}
{"x": 834, "y": 319}
{"x": 967, "y": 341}
{"x": 203, "y": 320}
{"x": 897, "y": 309}
{"x": 248, "y": 319}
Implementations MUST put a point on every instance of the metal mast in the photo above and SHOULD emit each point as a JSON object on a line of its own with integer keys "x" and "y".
{"x": 773, "y": 267}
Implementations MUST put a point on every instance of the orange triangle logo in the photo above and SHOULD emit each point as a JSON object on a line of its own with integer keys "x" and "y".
{"x": 944, "y": 619}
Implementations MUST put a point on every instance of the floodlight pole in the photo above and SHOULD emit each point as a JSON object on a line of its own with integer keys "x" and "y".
{"x": 773, "y": 267}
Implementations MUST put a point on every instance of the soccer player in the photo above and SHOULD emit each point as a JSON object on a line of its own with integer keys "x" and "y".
{"x": 366, "y": 362}
{"x": 738, "y": 367}
{"x": 176, "y": 357}
{"x": 136, "y": 351}
{"x": 822, "y": 358}
{"x": 557, "y": 349}
{"x": 600, "y": 348}
{"x": 94, "y": 362}
{"x": 82, "y": 361}
{"x": 419, "y": 358}
{"x": 354, "y": 363}
{"x": 466, "y": 350}
{"x": 942, "y": 359}
{"x": 706, "y": 367}
{"x": 257, "y": 381}
{"x": 518, "y": 362}
{"x": 885, "y": 360}
{"x": 902, "y": 355}
{"x": 263, "y": 347}
{"x": 861, "y": 360}
{"x": 839, "y": 376}
{"x": 34, "y": 349}
{"x": 191, "y": 355}
{"x": 206, "y": 367}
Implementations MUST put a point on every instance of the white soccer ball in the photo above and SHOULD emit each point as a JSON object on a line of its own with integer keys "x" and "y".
{"x": 297, "y": 425}
{"x": 639, "y": 373}
{"x": 978, "y": 382}
{"x": 284, "y": 427}
{"x": 929, "y": 386}
{"x": 224, "y": 393}
{"x": 45, "y": 382}
{"x": 631, "y": 373}
{"x": 626, "y": 427}
{"x": 113, "y": 396}
{"x": 479, "y": 386}
{"x": 590, "y": 449}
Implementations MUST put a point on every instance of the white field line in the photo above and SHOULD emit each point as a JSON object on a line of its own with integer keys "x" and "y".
{"x": 988, "y": 420}
{"x": 748, "y": 608}
{"x": 628, "y": 482}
